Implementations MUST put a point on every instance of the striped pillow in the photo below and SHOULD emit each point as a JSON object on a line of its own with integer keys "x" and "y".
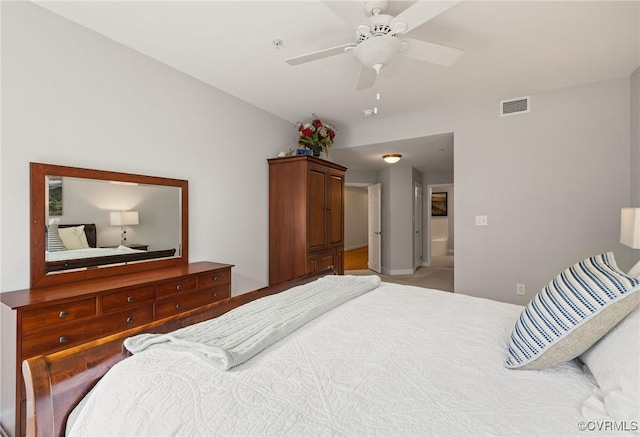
{"x": 571, "y": 313}
{"x": 54, "y": 243}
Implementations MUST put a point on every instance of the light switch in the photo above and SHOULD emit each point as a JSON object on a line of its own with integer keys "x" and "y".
{"x": 481, "y": 220}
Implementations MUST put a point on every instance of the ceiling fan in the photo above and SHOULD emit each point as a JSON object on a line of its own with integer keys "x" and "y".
{"x": 377, "y": 41}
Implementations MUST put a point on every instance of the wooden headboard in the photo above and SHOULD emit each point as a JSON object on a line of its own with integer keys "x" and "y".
{"x": 89, "y": 230}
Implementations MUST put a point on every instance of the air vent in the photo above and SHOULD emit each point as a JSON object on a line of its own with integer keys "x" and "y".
{"x": 515, "y": 106}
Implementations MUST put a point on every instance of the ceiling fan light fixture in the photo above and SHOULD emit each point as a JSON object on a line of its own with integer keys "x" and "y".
{"x": 377, "y": 51}
{"x": 391, "y": 158}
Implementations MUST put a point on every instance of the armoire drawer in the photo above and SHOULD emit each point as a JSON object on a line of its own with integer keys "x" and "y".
{"x": 176, "y": 305}
{"x": 74, "y": 333}
{"x": 59, "y": 313}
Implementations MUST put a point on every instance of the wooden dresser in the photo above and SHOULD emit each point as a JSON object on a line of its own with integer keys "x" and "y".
{"x": 48, "y": 319}
{"x": 306, "y": 217}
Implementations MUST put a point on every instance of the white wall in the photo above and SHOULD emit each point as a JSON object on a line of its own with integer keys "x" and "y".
{"x": 551, "y": 182}
{"x": 73, "y": 97}
{"x": 365, "y": 177}
{"x": 635, "y": 138}
{"x": 397, "y": 216}
{"x": 437, "y": 177}
{"x": 356, "y": 220}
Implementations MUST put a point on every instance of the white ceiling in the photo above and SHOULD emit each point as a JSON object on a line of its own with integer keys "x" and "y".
{"x": 432, "y": 153}
{"x": 512, "y": 48}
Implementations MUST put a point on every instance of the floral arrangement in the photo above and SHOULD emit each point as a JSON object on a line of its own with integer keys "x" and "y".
{"x": 315, "y": 135}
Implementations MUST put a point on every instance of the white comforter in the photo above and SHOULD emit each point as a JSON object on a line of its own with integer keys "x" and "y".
{"x": 396, "y": 361}
{"x": 235, "y": 337}
{"x": 90, "y": 252}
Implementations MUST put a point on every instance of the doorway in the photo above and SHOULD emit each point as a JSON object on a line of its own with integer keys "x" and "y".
{"x": 363, "y": 233}
{"x": 439, "y": 221}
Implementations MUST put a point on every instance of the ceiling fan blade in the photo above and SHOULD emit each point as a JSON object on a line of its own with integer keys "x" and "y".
{"x": 351, "y": 12}
{"x": 421, "y": 12}
{"x": 367, "y": 78}
{"x": 434, "y": 53}
{"x": 318, "y": 55}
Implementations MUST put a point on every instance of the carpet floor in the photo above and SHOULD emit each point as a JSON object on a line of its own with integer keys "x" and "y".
{"x": 438, "y": 276}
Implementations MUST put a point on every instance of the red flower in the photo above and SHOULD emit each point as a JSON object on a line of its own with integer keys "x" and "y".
{"x": 315, "y": 134}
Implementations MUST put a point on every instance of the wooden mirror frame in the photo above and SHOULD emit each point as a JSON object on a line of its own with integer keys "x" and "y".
{"x": 39, "y": 276}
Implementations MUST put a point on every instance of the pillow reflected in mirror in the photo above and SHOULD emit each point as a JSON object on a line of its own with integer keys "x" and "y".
{"x": 73, "y": 237}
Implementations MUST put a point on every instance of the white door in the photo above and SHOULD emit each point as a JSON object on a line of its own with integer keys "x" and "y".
{"x": 417, "y": 225}
{"x": 375, "y": 231}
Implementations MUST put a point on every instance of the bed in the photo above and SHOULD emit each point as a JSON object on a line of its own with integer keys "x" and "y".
{"x": 394, "y": 359}
{"x": 93, "y": 256}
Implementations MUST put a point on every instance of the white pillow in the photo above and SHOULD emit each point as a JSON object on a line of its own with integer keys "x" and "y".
{"x": 571, "y": 313}
{"x": 614, "y": 361}
{"x": 73, "y": 237}
{"x": 54, "y": 243}
{"x": 635, "y": 271}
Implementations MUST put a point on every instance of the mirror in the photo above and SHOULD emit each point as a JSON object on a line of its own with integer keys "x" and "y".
{"x": 90, "y": 223}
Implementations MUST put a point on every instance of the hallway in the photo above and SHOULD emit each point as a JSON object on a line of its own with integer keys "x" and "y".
{"x": 356, "y": 259}
{"x": 439, "y": 276}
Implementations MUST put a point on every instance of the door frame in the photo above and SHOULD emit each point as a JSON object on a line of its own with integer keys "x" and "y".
{"x": 379, "y": 220}
{"x": 418, "y": 225}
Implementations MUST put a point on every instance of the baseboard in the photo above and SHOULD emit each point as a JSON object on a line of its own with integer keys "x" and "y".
{"x": 398, "y": 272}
{"x": 355, "y": 247}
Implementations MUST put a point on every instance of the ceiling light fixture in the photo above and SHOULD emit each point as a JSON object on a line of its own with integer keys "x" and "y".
{"x": 391, "y": 158}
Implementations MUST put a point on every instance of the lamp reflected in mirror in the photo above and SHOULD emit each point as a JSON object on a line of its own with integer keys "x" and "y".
{"x": 124, "y": 219}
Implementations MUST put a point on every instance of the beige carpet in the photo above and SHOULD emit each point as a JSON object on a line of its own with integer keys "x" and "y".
{"x": 439, "y": 276}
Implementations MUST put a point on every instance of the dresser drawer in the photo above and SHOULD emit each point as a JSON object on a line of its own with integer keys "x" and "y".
{"x": 59, "y": 313}
{"x": 190, "y": 301}
{"x": 214, "y": 279}
{"x": 78, "y": 332}
{"x": 127, "y": 298}
{"x": 174, "y": 287}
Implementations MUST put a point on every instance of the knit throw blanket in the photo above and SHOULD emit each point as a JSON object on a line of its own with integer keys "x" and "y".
{"x": 238, "y": 335}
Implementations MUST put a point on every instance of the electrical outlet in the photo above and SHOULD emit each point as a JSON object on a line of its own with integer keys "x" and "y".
{"x": 520, "y": 289}
{"x": 481, "y": 220}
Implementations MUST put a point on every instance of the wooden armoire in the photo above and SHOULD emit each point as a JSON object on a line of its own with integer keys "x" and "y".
{"x": 306, "y": 217}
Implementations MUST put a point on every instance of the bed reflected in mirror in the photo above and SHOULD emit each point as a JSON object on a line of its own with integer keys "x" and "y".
{"x": 87, "y": 221}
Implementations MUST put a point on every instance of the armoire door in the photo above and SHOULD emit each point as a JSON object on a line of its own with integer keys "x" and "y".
{"x": 336, "y": 204}
{"x": 317, "y": 209}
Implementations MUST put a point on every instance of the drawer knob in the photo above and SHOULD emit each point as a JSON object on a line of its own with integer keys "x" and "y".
{"x": 130, "y": 299}
{"x": 215, "y": 294}
{"x": 129, "y": 319}
{"x": 178, "y": 306}
{"x": 62, "y": 339}
{"x": 62, "y": 314}
{"x": 178, "y": 287}
{"x": 215, "y": 278}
